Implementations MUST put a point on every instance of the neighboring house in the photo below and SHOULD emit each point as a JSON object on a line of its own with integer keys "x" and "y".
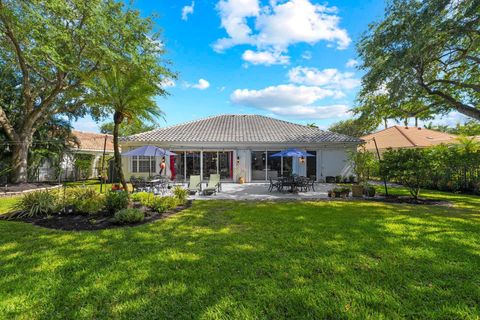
{"x": 240, "y": 146}
{"x": 88, "y": 143}
{"x": 397, "y": 137}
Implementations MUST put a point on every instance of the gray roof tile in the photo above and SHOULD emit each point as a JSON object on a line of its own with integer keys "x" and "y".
{"x": 241, "y": 129}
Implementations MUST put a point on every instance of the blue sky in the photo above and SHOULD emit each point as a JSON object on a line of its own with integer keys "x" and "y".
{"x": 291, "y": 59}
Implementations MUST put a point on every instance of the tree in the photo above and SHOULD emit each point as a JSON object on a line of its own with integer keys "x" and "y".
{"x": 409, "y": 166}
{"x": 469, "y": 128}
{"x": 128, "y": 92}
{"x": 363, "y": 164}
{"x": 54, "y": 47}
{"x": 427, "y": 50}
{"x": 312, "y": 125}
{"x": 129, "y": 128}
{"x": 354, "y": 127}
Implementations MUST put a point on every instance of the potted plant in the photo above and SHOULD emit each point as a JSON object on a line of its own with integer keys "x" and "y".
{"x": 338, "y": 179}
{"x": 241, "y": 178}
{"x": 369, "y": 190}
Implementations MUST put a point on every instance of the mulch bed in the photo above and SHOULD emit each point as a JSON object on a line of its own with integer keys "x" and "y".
{"x": 77, "y": 222}
{"x": 409, "y": 200}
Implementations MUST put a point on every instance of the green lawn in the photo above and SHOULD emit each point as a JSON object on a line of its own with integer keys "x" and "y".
{"x": 240, "y": 260}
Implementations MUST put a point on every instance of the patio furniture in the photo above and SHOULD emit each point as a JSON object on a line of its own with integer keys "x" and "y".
{"x": 274, "y": 185}
{"x": 311, "y": 183}
{"x": 302, "y": 184}
{"x": 213, "y": 185}
{"x": 194, "y": 185}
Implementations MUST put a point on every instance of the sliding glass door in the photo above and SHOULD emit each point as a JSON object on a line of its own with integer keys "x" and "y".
{"x": 192, "y": 163}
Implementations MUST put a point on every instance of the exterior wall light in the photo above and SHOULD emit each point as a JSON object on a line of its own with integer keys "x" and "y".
{"x": 302, "y": 159}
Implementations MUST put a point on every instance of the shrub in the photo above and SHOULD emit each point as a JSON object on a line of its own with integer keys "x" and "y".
{"x": 180, "y": 193}
{"x": 162, "y": 204}
{"x": 85, "y": 200}
{"x": 145, "y": 198}
{"x": 338, "y": 179}
{"x": 37, "y": 203}
{"x": 410, "y": 167}
{"x": 91, "y": 205}
{"x": 363, "y": 163}
{"x": 116, "y": 201}
{"x": 129, "y": 215}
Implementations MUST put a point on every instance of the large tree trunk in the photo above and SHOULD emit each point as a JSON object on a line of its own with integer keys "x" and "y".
{"x": 117, "y": 120}
{"x": 20, "y": 161}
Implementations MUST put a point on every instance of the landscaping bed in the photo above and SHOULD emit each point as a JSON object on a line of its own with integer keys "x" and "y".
{"x": 87, "y": 209}
{"x": 103, "y": 220}
{"x": 409, "y": 200}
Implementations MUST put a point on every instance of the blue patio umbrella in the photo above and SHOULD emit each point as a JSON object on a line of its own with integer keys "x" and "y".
{"x": 148, "y": 151}
{"x": 292, "y": 153}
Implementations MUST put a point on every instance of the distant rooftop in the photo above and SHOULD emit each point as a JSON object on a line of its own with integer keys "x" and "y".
{"x": 241, "y": 129}
{"x": 90, "y": 141}
{"x": 407, "y": 137}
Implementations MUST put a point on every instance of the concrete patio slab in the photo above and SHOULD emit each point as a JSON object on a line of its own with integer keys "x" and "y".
{"x": 259, "y": 191}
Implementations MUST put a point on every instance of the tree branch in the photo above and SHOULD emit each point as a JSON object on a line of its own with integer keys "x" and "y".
{"x": 27, "y": 93}
{"x": 459, "y": 106}
{"x": 7, "y": 126}
{"x": 456, "y": 83}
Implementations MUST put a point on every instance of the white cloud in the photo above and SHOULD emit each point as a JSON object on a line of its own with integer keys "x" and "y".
{"x": 276, "y": 26}
{"x": 351, "y": 63}
{"x": 285, "y": 95}
{"x": 187, "y": 10}
{"x": 313, "y": 112}
{"x": 307, "y": 55}
{"x": 328, "y": 78}
{"x": 202, "y": 84}
{"x": 265, "y": 57}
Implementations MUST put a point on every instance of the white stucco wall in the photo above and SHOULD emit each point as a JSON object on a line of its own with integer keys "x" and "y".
{"x": 331, "y": 160}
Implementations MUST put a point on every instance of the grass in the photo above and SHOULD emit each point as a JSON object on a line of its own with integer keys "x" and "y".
{"x": 6, "y": 204}
{"x": 252, "y": 260}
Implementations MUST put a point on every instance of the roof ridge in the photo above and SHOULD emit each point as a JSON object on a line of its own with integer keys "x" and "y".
{"x": 406, "y": 137}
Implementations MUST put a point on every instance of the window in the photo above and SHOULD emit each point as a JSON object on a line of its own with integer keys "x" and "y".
{"x": 143, "y": 164}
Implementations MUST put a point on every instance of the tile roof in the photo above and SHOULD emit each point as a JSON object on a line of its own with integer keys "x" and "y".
{"x": 407, "y": 137}
{"x": 89, "y": 141}
{"x": 240, "y": 129}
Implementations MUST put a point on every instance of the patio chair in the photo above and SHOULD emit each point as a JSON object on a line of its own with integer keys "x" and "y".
{"x": 311, "y": 183}
{"x": 274, "y": 185}
{"x": 194, "y": 185}
{"x": 302, "y": 184}
{"x": 213, "y": 185}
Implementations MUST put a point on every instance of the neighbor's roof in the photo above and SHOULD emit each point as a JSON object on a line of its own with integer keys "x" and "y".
{"x": 241, "y": 129}
{"x": 89, "y": 141}
{"x": 407, "y": 137}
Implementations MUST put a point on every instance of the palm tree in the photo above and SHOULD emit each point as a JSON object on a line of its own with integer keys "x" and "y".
{"x": 129, "y": 93}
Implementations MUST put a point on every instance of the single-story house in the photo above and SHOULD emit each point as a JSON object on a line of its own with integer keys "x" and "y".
{"x": 88, "y": 143}
{"x": 237, "y": 146}
{"x": 397, "y": 137}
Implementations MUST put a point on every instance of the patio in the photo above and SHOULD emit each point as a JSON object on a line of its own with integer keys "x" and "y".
{"x": 259, "y": 191}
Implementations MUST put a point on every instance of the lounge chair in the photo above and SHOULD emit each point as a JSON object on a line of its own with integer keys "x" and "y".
{"x": 194, "y": 185}
{"x": 213, "y": 185}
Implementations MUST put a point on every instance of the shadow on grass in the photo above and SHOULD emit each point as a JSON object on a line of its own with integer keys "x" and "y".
{"x": 223, "y": 259}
